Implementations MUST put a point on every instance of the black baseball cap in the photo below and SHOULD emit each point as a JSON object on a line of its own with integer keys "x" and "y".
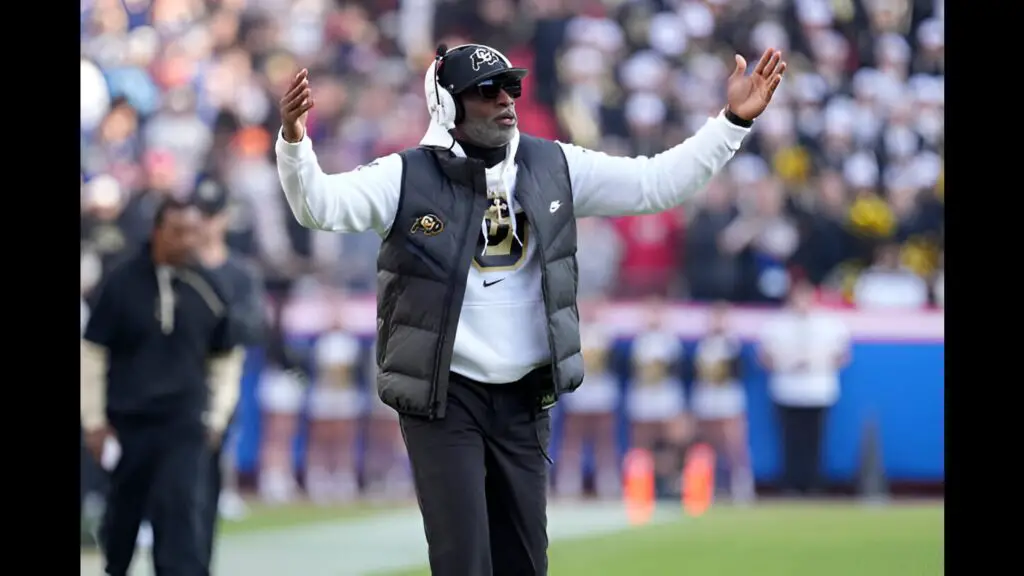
{"x": 210, "y": 196}
{"x": 466, "y": 66}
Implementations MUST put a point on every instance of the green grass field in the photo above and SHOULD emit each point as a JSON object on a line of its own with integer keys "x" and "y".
{"x": 767, "y": 540}
{"x": 592, "y": 539}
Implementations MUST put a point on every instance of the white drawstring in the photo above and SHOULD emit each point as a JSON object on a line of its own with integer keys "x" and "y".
{"x": 163, "y": 280}
{"x": 499, "y": 174}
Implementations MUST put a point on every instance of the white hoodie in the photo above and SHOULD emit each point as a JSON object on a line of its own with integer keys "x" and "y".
{"x": 502, "y": 331}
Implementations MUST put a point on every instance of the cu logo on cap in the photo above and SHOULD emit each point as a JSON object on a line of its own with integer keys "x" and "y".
{"x": 482, "y": 56}
{"x": 430, "y": 225}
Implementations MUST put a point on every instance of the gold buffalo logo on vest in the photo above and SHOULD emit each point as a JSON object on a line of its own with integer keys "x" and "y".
{"x": 430, "y": 225}
{"x": 483, "y": 56}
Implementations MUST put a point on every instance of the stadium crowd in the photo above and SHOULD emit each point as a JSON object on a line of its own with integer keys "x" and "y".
{"x": 840, "y": 183}
{"x": 842, "y": 179}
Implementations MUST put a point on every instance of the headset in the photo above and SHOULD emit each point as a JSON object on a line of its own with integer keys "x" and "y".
{"x": 448, "y": 109}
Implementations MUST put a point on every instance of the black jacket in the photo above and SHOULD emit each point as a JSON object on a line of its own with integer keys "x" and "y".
{"x": 157, "y": 368}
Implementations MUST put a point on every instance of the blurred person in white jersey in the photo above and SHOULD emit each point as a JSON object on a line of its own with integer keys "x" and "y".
{"x": 655, "y": 397}
{"x": 386, "y": 462}
{"x": 804, "y": 349}
{"x": 280, "y": 395}
{"x": 719, "y": 401}
{"x": 335, "y": 409}
{"x": 888, "y": 284}
{"x": 589, "y": 414}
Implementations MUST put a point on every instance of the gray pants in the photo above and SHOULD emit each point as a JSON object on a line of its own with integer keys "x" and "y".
{"x": 481, "y": 477}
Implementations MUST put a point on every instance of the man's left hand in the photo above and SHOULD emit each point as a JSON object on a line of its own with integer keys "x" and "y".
{"x": 748, "y": 96}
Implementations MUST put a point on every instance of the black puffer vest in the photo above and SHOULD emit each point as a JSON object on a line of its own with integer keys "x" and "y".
{"x": 424, "y": 262}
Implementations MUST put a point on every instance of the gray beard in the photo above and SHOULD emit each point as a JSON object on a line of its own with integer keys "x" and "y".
{"x": 486, "y": 133}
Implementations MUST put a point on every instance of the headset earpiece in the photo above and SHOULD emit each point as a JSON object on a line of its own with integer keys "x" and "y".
{"x": 448, "y": 108}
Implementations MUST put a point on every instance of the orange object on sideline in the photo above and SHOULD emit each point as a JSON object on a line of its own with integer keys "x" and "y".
{"x": 638, "y": 485}
{"x": 698, "y": 480}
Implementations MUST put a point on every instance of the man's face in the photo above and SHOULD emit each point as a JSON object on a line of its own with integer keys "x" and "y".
{"x": 490, "y": 118}
{"x": 179, "y": 234}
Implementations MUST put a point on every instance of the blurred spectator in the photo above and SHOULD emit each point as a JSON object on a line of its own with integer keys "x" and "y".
{"x": 103, "y": 235}
{"x": 671, "y": 451}
{"x": 95, "y": 96}
{"x": 939, "y": 284}
{"x": 825, "y": 231}
{"x": 335, "y": 405}
{"x": 655, "y": 397}
{"x": 713, "y": 273}
{"x": 386, "y": 463}
{"x": 650, "y": 253}
{"x": 850, "y": 154}
{"x": 720, "y": 402}
{"x": 588, "y": 415}
{"x": 599, "y": 255}
{"x": 280, "y": 397}
{"x": 803, "y": 350}
{"x": 888, "y": 284}
{"x": 766, "y": 236}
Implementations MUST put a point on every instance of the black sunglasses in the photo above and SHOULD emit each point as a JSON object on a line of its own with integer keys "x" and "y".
{"x": 490, "y": 89}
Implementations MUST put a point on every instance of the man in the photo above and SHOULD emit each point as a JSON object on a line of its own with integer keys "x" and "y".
{"x": 156, "y": 345}
{"x": 477, "y": 327}
{"x": 803, "y": 350}
{"x": 243, "y": 293}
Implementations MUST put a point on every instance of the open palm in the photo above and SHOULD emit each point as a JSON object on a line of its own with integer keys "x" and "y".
{"x": 748, "y": 96}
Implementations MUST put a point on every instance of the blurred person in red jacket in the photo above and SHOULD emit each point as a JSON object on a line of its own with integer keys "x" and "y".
{"x": 649, "y": 253}
{"x": 589, "y": 414}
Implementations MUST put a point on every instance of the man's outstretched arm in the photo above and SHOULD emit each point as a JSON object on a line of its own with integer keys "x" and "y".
{"x": 606, "y": 185}
{"x": 364, "y": 199}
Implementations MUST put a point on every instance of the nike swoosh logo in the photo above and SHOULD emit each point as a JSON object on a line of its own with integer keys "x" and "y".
{"x": 488, "y": 284}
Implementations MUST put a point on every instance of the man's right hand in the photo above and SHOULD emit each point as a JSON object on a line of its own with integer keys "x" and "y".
{"x": 295, "y": 106}
{"x": 96, "y": 439}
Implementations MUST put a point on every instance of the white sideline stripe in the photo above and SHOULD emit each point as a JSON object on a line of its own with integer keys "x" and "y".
{"x": 361, "y": 547}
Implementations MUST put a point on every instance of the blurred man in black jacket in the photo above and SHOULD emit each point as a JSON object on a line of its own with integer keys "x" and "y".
{"x": 246, "y": 302}
{"x": 159, "y": 373}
